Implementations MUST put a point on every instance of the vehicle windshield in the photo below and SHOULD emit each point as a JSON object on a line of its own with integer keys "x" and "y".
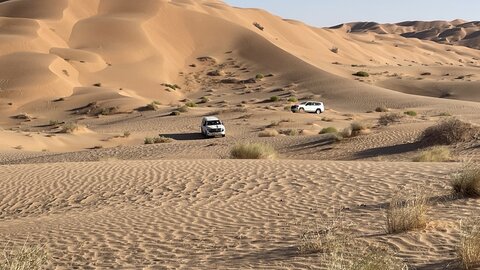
{"x": 213, "y": 123}
{"x": 303, "y": 103}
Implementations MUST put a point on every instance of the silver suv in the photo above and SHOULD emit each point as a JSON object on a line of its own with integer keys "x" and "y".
{"x": 309, "y": 106}
{"x": 212, "y": 127}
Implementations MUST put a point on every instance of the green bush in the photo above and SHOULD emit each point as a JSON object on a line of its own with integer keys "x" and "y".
{"x": 293, "y": 99}
{"x": 361, "y": 74}
{"x": 191, "y": 104}
{"x": 328, "y": 130}
{"x": 259, "y": 76}
{"x": 410, "y": 113}
{"x": 274, "y": 99}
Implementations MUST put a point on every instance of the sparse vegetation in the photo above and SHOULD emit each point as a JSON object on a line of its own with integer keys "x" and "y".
{"x": 357, "y": 128}
{"x": 126, "y": 134}
{"x": 361, "y": 74}
{"x": 292, "y": 99}
{"x": 175, "y": 113}
{"x": 204, "y": 100}
{"x": 274, "y": 98}
{"x": 405, "y": 214}
{"x": 435, "y": 154}
{"x": 25, "y": 258}
{"x": 171, "y": 86}
{"x": 54, "y": 123}
{"x": 69, "y": 128}
{"x": 466, "y": 182}
{"x": 268, "y": 133}
{"x": 183, "y": 109}
{"x": 449, "y": 131}
{"x": 381, "y": 109}
{"x": 97, "y": 84}
{"x": 389, "y": 118}
{"x": 259, "y": 26}
{"x": 289, "y": 132}
{"x": 328, "y": 130}
{"x": 152, "y": 106}
{"x": 469, "y": 247}
{"x": 191, "y": 104}
{"x": 253, "y": 151}
{"x": 342, "y": 250}
{"x": 259, "y": 76}
{"x": 410, "y": 113}
{"x": 334, "y": 49}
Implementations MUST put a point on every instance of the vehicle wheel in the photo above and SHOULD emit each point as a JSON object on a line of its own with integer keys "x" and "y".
{"x": 223, "y": 135}
{"x": 301, "y": 110}
{"x": 318, "y": 111}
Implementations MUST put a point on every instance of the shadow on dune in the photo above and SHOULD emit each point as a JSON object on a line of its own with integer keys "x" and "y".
{"x": 185, "y": 136}
{"x": 389, "y": 150}
{"x": 326, "y": 141}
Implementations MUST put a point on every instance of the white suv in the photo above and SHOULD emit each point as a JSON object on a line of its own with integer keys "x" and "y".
{"x": 309, "y": 106}
{"x": 212, "y": 127}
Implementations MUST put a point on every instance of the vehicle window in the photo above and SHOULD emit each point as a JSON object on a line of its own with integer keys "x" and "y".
{"x": 214, "y": 123}
{"x": 317, "y": 104}
{"x": 309, "y": 104}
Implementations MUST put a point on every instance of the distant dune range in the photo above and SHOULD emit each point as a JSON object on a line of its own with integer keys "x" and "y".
{"x": 52, "y": 49}
{"x": 456, "y": 32}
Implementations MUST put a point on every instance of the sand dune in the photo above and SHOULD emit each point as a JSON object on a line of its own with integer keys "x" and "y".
{"x": 83, "y": 84}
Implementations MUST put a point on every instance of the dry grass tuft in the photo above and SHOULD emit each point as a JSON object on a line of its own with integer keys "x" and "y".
{"x": 69, "y": 128}
{"x": 466, "y": 182}
{"x": 268, "y": 133}
{"x": 289, "y": 132}
{"x": 328, "y": 130}
{"x": 469, "y": 248}
{"x": 253, "y": 151}
{"x": 25, "y": 258}
{"x": 341, "y": 249}
{"x": 405, "y": 214}
{"x": 449, "y": 131}
{"x": 435, "y": 154}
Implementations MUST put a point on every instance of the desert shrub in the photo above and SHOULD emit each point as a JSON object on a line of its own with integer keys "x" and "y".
{"x": 25, "y": 258}
{"x": 191, "y": 104}
{"x": 175, "y": 113}
{"x": 259, "y": 26}
{"x": 426, "y": 74}
{"x": 54, "y": 123}
{"x": 466, "y": 182}
{"x": 149, "y": 140}
{"x": 361, "y": 74}
{"x": 381, "y": 109}
{"x": 216, "y": 73}
{"x": 253, "y": 151}
{"x": 444, "y": 114}
{"x": 327, "y": 119}
{"x": 449, "y": 131}
{"x": 435, "y": 154}
{"x": 389, "y": 118}
{"x": 410, "y": 113}
{"x": 204, "y": 99}
{"x": 469, "y": 247}
{"x": 109, "y": 110}
{"x": 376, "y": 257}
{"x": 183, "y": 109}
{"x": 328, "y": 130}
{"x": 69, "y": 128}
{"x": 405, "y": 214}
{"x": 274, "y": 99}
{"x": 97, "y": 85}
{"x": 357, "y": 128}
{"x": 259, "y": 76}
{"x": 289, "y": 132}
{"x": 268, "y": 133}
{"x": 292, "y": 99}
{"x": 126, "y": 134}
{"x": 334, "y": 49}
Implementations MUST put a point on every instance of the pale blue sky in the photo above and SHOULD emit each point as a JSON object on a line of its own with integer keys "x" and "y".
{"x": 333, "y": 12}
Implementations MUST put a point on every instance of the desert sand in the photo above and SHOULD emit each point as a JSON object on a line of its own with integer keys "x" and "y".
{"x": 83, "y": 83}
